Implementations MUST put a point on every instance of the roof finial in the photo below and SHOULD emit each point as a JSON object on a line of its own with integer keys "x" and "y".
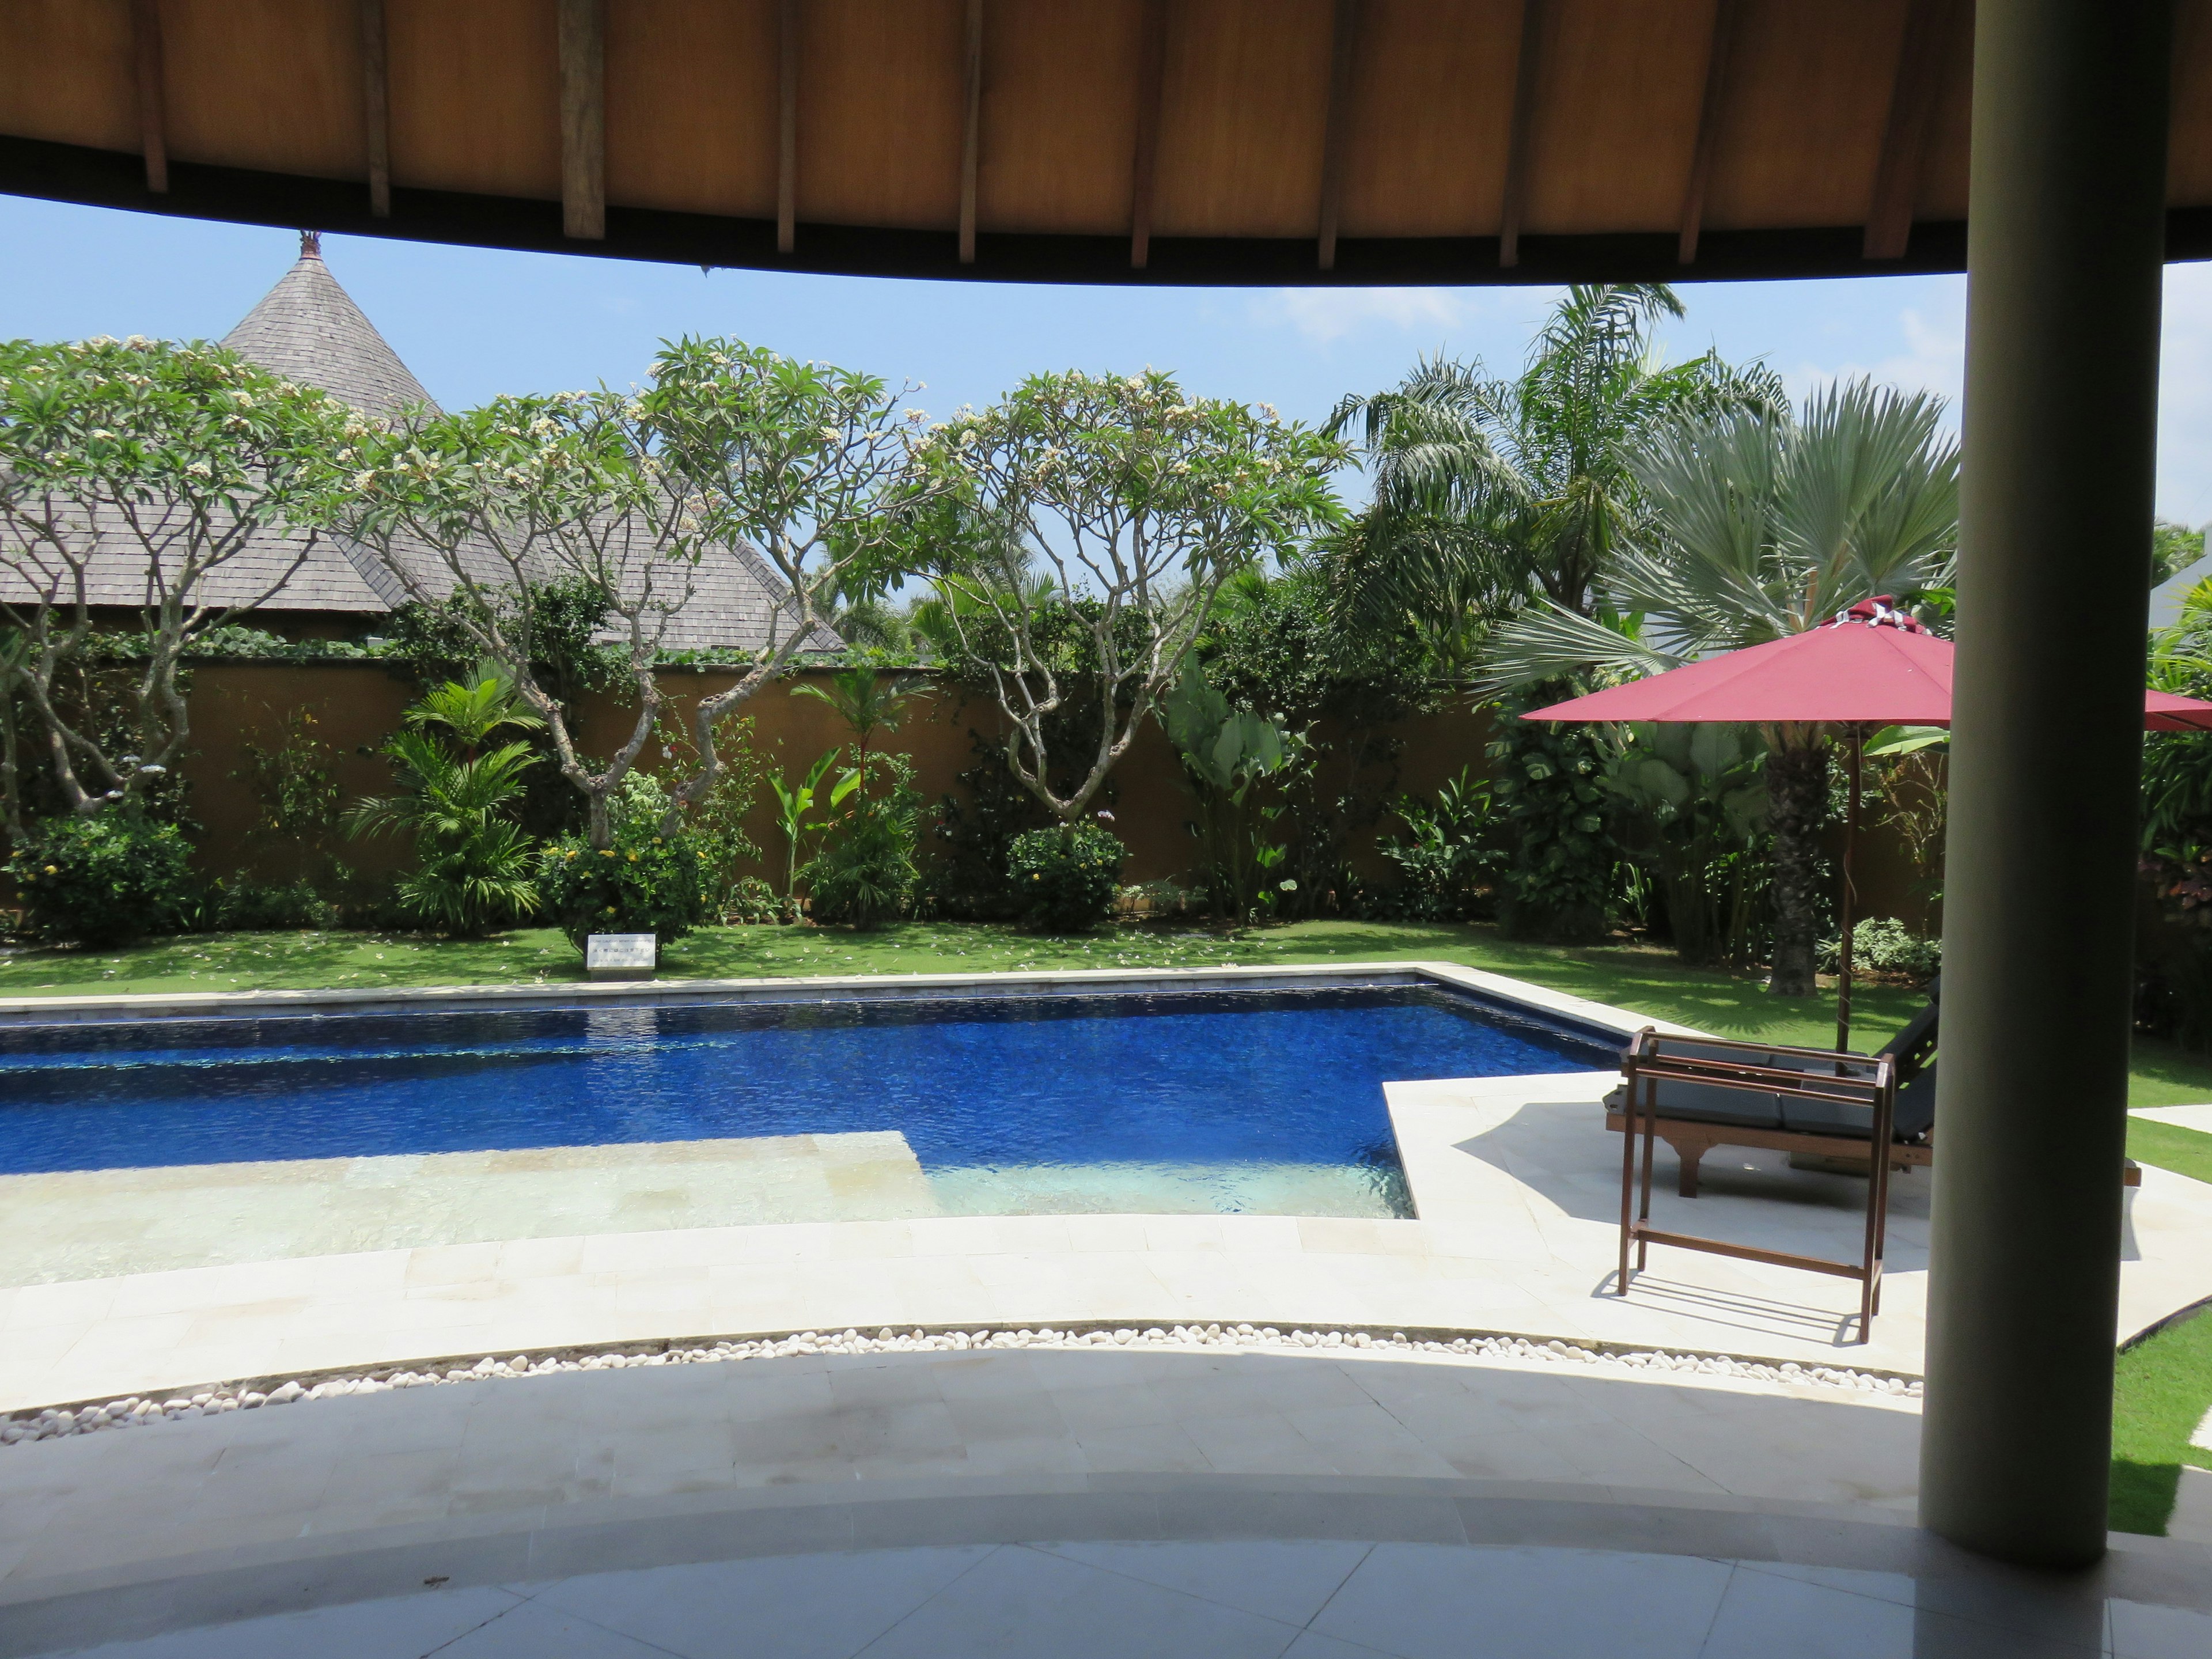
{"x": 311, "y": 245}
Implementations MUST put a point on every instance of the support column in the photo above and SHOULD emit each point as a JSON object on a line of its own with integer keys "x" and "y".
{"x": 2065, "y": 244}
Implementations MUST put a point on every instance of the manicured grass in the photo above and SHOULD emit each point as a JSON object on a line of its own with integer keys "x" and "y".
{"x": 2162, "y": 1389}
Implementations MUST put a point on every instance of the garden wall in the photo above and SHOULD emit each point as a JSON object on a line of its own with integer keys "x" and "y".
{"x": 356, "y": 705}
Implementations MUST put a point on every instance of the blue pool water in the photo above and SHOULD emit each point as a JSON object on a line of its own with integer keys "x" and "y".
{"x": 1185, "y": 1078}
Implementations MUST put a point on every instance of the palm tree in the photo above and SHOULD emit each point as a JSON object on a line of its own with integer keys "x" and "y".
{"x": 1760, "y": 527}
{"x": 1491, "y": 492}
{"x": 469, "y": 711}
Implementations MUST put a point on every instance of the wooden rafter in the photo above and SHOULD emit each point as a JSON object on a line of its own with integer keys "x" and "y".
{"x": 1920, "y": 63}
{"x": 153, "y": 115}
{"x": 376, "y": 106}
{"x": 583, "y": 119}
{"x": 1152, "y": 83}
{"x": 1343, "y": 59}
{"x": 971, "y": 142}
{"x": 1725, "y": 13}
{"x": 1524, "y": 120}
{"x": 786, "y": 128}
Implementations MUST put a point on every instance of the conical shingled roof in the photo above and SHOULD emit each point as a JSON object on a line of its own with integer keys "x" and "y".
{"x": 308, "y": 329}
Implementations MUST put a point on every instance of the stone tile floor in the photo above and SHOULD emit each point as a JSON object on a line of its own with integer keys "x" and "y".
{"x": 1246, "y": 1599}
{"x": 1062, "y": 1502}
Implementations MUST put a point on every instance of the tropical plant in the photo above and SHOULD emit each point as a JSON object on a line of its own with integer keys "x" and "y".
{"x": 2173, "y": 549}
{"x": 866, "y": 701}
{"x": 103, "y": 880}
{"x": 864, "y": 875}
{"x": 967, "y": 878}
{"x": 795, "y": 802}
{"x": 1068, "y": 877}
{"x": 1883, "y": 945}
{"x": 1689, "y": 802}
{"x": 473, "y": 872}
{"x": 1762, "y": 527}
{"x": 1547, "y": 789}
{"x": 1138, "y": 501}
{"x": 1491, "y": 492}
{"x": 185, "y": 454}
{"x": 1444, "y": 860}
{"x": 1909, "y": 768}
{"x": 1225, "y": 753}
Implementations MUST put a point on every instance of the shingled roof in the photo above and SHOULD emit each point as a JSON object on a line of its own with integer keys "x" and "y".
{"x": 308, "y": 330}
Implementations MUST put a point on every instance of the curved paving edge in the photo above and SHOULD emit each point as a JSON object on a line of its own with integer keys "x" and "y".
{"x": 213, "y": 1399}
{"x": 218, "y": 1587}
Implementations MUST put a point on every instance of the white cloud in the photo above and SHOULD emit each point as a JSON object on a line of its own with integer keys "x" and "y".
{"x": 1933, "y": 358}
{"x": 2185, "y": 396}
{"x": 1324, "y": 314}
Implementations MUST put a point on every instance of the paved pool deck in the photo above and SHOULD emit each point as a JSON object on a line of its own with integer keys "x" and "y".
{"x": 1515, "y": 1181}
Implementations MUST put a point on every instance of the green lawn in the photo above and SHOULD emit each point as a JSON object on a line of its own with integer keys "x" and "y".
{"x": 2162, "y": 1389}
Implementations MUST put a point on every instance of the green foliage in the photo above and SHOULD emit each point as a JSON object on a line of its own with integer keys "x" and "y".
{"x": 1489, "y": 490}
{"x": 456, "y": 799}
{"x": 645, "y": 883}
{"x": 1883, "y": 945}
{"x": 864, "y": 874}
{"x": 968, "y": 879}
{"x": 752, "y": 901}
{"x": 2173, "y": 549}
{"x": 1133, "y": 501}
{"x": 716, "y": 822}
{"x": 104, "y": 879}
{"x": 795, "y": 803}
{"x": 1067, "y": 878}
{"x": 246, "y": 904}
{"x": 1225, "y": 753}
{"x": 1445, "y": 861}
{"x": 1689, "y": 804}
{"x": 1548, "y": 786}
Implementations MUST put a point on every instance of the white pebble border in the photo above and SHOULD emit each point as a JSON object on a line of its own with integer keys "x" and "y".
{"x": 134, "y": 1412}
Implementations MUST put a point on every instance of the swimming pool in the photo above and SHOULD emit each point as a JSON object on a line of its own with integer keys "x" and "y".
{"x": 1266, "y": 1100}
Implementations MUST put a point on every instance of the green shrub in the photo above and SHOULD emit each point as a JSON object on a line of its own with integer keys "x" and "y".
{"x": 1881, "y": 944}
{"x": 864, "y": 874}
{"x": 246, "y": 905}
{"x": 1068, "y": 879}
{"x": 102, "y": 880}
{"x": 646, "y": 883}
{"x": 753, "y": 901}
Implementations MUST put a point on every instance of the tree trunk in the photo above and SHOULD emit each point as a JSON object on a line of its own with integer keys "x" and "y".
{"x": 1796, "y": 802}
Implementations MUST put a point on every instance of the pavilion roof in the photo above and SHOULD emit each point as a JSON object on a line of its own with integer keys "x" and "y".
{"x": 1095, "y": 140}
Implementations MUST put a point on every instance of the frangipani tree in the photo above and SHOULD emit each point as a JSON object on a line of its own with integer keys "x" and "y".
{"x": 1762, "y": 527}
{"x": 210, "y": 471}
{"x": 798, "y": 464}
{"x": 526, "y": 495}
{"x": 1106, "y": 511}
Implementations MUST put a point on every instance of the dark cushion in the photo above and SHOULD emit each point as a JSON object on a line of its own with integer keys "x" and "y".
{"x": 1707, "y": 1102}
{"x": 1914, "y": 1114}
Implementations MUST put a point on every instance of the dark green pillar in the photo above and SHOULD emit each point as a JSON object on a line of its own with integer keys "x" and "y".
{"x": 2063, "y": 253}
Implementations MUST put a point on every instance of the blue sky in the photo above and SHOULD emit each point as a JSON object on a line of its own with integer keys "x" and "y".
{"x": 471, "y": 323}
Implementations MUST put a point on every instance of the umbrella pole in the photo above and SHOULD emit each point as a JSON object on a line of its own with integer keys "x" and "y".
{"x": 1855, "y": 740}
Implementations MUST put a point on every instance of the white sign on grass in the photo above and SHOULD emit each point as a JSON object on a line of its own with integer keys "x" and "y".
{"x": 619, "y": 956}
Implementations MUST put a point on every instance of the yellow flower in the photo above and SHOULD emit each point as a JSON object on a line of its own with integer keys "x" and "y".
{"x": 52, "y": 870}
{"x": 606, "y": 852}
{"x": 632, "y": 858}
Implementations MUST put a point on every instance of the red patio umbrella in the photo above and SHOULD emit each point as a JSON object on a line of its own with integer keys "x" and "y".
{"x": 1873, "y": 666}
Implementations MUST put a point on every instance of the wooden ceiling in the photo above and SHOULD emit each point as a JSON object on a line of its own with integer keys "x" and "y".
{"x": 1170, "y": 140}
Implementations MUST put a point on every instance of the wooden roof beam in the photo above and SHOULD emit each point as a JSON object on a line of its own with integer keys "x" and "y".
{"x": 1725, "y": 13}
{"x": 583, "y": 119}
{"x": 1152, "y": 83}
{"x": 1517, "y": 145}
{"x": 1928, "y": 35}
{"x": 786, "y": 128}
{"x": 971, "y": 141}
{"x": 376, "y": 106}
{"x": 153, "y": 114}
{"x": 1343, "y": 59}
